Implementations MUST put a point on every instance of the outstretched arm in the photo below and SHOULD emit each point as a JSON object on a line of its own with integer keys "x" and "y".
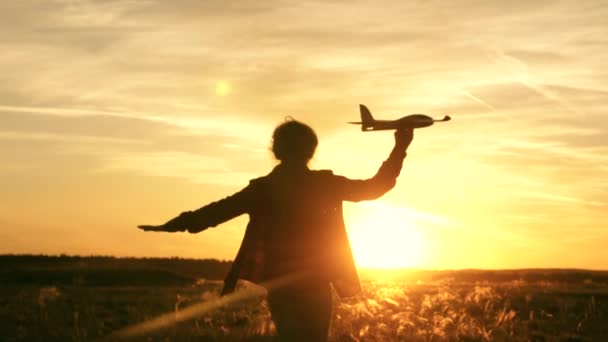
{"x": 208, "y": 216}
{"x": 385, "y": 178}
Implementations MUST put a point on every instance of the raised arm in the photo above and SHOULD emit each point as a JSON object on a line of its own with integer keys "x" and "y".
{"x": 208, "y": 216}
{"x": 384, "y": 180}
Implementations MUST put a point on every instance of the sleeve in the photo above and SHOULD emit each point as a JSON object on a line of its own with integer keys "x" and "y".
{"x": 214, "y": 213}
{"x": 356, "y": 190}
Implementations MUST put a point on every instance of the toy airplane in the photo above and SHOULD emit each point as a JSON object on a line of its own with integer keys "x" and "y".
{"x": 368, "y": 123}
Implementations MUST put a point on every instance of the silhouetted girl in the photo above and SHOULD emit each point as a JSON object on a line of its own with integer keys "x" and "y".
{"x": 296, "y": 230}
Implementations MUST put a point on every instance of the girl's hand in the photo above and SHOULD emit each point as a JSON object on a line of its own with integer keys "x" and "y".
{"x": 404, "y": 137}
{"x": 149, "y": 228}
{"x": 178, "y": 224}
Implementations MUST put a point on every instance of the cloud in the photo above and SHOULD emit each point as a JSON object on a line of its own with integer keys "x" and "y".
{"x": 193, "y": 167}
{"x": 132, "y": 144}
{"x": 128, "y": 88}
{"x": 512, "y": 97}
{"x": 89, "y": 125}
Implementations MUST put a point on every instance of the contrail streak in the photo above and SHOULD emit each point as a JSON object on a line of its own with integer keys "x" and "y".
{"x": 478, "y": 100}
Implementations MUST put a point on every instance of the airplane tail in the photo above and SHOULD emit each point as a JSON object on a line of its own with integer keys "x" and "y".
{"x": 367, "y": 120}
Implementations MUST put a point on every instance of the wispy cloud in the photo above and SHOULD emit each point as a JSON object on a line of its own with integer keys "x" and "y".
{"x": 129, "y": 89}
{"x": 193, "y": 167}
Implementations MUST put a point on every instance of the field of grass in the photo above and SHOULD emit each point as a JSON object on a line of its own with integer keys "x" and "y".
{"x": 533, "y": 305}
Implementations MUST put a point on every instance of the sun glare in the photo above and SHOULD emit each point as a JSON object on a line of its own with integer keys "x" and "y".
{"x": 382, "y": 237}
{"x": 222, "y": 88}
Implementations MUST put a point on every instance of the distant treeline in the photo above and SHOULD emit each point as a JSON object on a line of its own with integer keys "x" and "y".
{"x": 126, "y": 271}
{"x": 107, "y": 270}
{"x": 524, "y": 275}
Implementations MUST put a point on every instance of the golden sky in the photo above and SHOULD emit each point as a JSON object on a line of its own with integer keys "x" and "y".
{"x": 118, "y": 113}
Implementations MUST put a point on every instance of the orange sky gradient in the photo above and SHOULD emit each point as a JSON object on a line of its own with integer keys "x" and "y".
{"x": 118, "y": 113}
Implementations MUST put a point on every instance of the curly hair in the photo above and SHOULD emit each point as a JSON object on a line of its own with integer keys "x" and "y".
{"x": 294, "y": 141}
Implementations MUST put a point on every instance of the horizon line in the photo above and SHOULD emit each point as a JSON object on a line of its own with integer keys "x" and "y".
{"x": 360, "y": 269}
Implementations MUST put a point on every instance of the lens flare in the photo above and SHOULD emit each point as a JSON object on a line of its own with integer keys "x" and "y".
{"x": 383, "y": 237}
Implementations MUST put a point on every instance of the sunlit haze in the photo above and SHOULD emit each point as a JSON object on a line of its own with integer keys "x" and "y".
{"x": 119, "y": 113}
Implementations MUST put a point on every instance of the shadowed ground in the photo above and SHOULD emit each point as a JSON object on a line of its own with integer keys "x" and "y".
{"x": 417, "y": 305}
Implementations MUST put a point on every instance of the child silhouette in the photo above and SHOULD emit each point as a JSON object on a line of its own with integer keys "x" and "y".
{"x": 296, "y": 227}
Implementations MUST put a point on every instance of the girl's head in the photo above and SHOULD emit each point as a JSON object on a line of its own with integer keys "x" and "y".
{"x": 294, "y": 142}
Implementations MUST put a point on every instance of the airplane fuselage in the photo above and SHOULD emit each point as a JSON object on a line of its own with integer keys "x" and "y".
{"x": 410, "y": 121}
{"x": 368, "y": 123}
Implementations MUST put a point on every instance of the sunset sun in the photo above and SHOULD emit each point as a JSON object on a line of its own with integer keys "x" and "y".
{"x": 382, "y": 237}
{"x": 222, "y": 88}
{"x": 304, "y": 170}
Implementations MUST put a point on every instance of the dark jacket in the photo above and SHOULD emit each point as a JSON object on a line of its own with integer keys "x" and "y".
{"x": 296, "y": 223}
